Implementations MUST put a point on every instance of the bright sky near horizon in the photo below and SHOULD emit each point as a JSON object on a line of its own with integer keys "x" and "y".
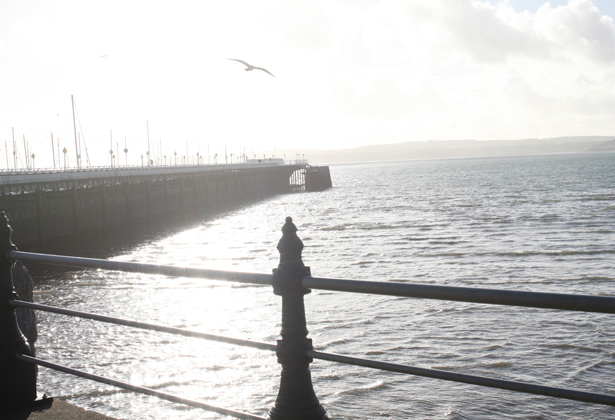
{"x": 348, "y": 73}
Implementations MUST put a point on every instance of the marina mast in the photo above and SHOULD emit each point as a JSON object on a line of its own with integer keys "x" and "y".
{"x": 72, "y": 98}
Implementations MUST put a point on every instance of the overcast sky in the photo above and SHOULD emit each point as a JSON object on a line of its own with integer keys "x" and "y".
{"x": 347, "y": 73}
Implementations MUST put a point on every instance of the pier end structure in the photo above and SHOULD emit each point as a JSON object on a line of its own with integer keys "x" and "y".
{"x": 49, "y": 207}
{"x": 317, "y": 178}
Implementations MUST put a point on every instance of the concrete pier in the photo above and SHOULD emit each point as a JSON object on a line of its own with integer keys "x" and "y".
{"x": 49, "y": 207}
{"x": 59, "y": 410}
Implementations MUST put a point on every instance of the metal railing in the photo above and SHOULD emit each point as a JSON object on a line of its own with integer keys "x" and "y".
{"x": 120, "y": 167}
{"x": 291, "y": 280}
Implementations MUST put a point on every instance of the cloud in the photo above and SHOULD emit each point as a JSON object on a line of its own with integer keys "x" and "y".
{"x": 577, "y": 29}
{"x": 484, "y": 32}
{"x": 468, "y": 68}
{"x": 418, "y": 69}
{"x": 303, "y": 24}
{"x": 489, "y": 33}
{"x": 385, "y": 99}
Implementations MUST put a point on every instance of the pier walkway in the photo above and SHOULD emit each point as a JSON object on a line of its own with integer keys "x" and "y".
{"x": 29, "y": 180}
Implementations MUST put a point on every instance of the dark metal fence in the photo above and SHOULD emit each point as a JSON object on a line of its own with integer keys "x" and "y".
{"x": 291, "y": 280}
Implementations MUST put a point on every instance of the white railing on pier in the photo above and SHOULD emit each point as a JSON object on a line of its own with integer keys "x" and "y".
{"x": 29, "y": 176}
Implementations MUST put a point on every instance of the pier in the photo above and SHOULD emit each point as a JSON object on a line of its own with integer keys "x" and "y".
{"x": 47, "y": 206}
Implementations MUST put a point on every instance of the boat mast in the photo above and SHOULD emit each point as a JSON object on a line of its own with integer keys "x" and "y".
{"x": 149, "y": 156}
{"x": 75, "y": 128}
{"x": 53, "y": 151}
{"x": 111, "y": 146}
{"x": 25, "y": 149}
{"x": 14, "y": 151}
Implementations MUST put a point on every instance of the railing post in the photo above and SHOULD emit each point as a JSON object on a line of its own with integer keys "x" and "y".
{"x": 296, "y": 398}
{"x": 17, "y": 379}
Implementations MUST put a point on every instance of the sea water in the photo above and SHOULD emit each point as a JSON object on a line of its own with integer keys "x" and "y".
{"x": 537, "y": 223}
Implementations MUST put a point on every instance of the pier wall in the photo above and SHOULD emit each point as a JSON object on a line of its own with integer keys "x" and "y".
{"x": 47, "y": 214}
{"x": 317, "y": 178}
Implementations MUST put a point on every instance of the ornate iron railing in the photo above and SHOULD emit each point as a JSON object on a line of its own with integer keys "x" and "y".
{"x": 291, "y": 280}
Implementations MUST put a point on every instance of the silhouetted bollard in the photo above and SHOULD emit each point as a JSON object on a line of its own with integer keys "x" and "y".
{"x": 17, "y": 379}
{"x": 296, "y": 398}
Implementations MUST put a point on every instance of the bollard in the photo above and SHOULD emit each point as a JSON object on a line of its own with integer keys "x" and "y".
{"x": 18, "y": 379}
{"x": 296, "y": 399}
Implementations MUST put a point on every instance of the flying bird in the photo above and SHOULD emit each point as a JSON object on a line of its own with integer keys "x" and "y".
{"x": 250, "y": 67}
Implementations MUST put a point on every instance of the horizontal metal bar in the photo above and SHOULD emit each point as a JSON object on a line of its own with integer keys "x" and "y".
{"x": 140, "y": 389}
{"x": 132, "y": 267}
{"x": 145, "y": 326}
{"x": 602, "y": 304}
{"x": 469, "y": 379}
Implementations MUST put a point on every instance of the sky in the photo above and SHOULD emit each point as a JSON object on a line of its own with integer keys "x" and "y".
{"x": 348, "y": 73}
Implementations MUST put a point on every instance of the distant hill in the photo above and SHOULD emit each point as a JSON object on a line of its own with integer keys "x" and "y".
{"x": 437, "y": 149}
{"x": 607, "y": 146}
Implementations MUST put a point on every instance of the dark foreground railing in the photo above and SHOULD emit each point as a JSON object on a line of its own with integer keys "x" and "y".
{"x": 291, "y": 280}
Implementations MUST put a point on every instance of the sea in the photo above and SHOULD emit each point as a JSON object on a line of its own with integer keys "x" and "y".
{"x": 542, "y": 223}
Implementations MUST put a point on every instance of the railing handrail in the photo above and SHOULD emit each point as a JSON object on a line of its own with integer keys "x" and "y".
{"x": 133, "y": 267}
{"x": 516, "y": 386}
{"x": 292, "y": 280}
{"x": 144, "y": 325}
{"x": 140, "y": 389}
{"x": 332, "y": 357}
{"x": 561, "y": 301}
{"x": 91, "y": 168}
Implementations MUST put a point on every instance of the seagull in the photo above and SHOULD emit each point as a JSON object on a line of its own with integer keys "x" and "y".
{"x": 250, "y": 67}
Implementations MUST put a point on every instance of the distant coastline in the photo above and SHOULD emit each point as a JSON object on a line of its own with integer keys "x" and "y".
{"x": 439, "y": 149}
